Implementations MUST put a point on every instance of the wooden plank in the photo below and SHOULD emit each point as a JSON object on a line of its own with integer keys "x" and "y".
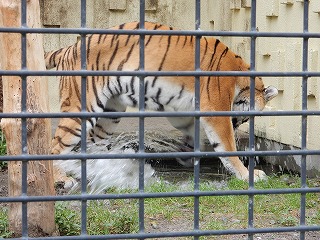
{"x": 40, "y": 178}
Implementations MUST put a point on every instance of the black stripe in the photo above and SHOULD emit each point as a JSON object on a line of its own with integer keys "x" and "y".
{"x": 154, "y": 81}
{"x": 185, "y": 40}
{"x": 127, "y": 41}
{"x": 156, "y": 26}
{"x": 98, "y": 101}
{"x": 212, "y": 61}
{"x": 76, "y": 88}
{"x": 59, "y": 139}
{"x": 170, "y": 99}
{"x": 158, "y": 95}
{"x": 115, "y": 120}
{"x": 75, "y": 52}
{"x": 104, "y": 37}
{"x": 191, "y": 40}
{"x": 223, "y": 54}
{"x": 241, "y": 102}
{"x": 205, "y": 49}
{"x": 108, "y": 86}
{"x": 113, "y": 55}
{"x": 77, "y": 120}
{"x": 178, "y": 38}
{"x": 98, "y": 60}
{"x": 215, "y": 145}
{"x": 146, "y": 87}
{"x": 103, "y": 130}
{"x": 90, "y": 120}
{"x": 88, "y": 43}
{"x": 66, "y": 56}
{"x": 181, "y": 91}
{"x": 112, "y": 40}
{"x": 243, "y": 89}
{"x": 99, "y": 39}
{"x": 163, "y": 59}
{"x": 69, "y": 130}
{"x": 208, "y": 85}
{"x": 126, "y": 59}
{"x": 134, "y": 101}
{"x": 119, "y": 85}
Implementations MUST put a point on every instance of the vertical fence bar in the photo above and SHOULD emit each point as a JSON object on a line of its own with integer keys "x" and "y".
{"x": 197, "y": 119}
{"x": 83, "y": 51}
{"x": 24, "y": 150}
{"x": 141, "y": 118}
{"x": 304, "y": 118}
{"x": 251, "y": 119}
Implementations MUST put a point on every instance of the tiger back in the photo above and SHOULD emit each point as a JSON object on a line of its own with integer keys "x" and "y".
{"x": 115, "y": 52}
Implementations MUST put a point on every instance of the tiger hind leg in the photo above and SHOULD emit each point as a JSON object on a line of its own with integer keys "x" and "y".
{"x": 68, "y": 134}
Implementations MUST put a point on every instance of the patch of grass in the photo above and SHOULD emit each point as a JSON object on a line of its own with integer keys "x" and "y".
{"x": 3, "y": 151}
{"x": 68, "y": 219}
{"x": 216, "y": 212}
{"x": 103, "y": 217}
{"x": 113, "y": 217}
{"x": 4, "y": 226}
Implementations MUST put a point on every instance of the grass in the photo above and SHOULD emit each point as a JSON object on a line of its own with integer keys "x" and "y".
{"x": 216, "y": 213}
{"x": 3, "y": 151}
{"x": 4, "y": 226}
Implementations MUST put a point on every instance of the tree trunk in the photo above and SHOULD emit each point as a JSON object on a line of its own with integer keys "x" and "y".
{"x": 41, "y": 220}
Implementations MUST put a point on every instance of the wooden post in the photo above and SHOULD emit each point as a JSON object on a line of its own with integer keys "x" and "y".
{"x": 41, "y": 220}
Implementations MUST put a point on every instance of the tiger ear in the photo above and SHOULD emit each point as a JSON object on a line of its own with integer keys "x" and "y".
{"x": 270, "y": 92}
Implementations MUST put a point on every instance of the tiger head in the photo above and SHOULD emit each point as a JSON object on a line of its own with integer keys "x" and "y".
{"x": 242, "y": 100}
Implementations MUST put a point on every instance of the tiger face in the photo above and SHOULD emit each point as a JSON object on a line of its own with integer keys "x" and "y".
{"x": 242, "y": 101}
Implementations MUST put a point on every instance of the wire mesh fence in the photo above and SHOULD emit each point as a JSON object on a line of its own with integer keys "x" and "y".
{"x": 196, "y": 194}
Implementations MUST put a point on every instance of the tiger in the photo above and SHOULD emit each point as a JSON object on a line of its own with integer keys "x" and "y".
{"x": 120, "y": 52}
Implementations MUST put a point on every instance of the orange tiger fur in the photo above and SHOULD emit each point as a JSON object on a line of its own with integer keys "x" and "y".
{"x": 162, "y": 53}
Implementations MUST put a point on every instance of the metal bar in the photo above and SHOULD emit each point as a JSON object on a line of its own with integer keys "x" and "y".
{"x": 83, "y": 53}
{"x": 304, "y": 118}
{"x": 251, "y": 119}
{"x": 163, "y": 32}
{"x": 157, "y": 73}
{"x": 163, "y": 114}
{"x": 183, "y": 234}
{"x": 160, "y": 195}
{"x": 196, "y": 146}
{"x": 141, "y": 118}
{"x": 158, "y": 155}
{"x": 24, "y": 137}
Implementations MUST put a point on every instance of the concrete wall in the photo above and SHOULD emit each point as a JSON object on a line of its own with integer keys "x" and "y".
{"x": 283, "y": 54}
{"x": 273, "y": 54}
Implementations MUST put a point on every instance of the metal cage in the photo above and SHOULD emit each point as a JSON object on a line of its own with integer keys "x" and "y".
{"x": 196, "y": 194}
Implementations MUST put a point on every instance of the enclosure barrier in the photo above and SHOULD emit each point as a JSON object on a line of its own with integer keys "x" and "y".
{"x": 196, "y": 194}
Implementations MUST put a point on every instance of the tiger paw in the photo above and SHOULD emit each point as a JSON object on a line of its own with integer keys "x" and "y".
{"x": 61, "y": 179}
{"x": 259, "y": 175}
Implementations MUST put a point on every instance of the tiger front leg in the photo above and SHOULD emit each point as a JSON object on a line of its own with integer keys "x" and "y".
{"x": 220, "y": 133}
